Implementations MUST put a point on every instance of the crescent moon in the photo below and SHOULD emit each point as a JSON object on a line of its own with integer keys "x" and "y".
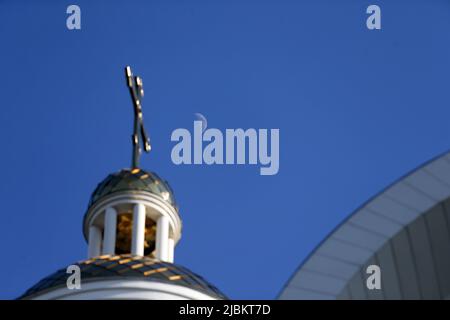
{"x": 202, "y": 118}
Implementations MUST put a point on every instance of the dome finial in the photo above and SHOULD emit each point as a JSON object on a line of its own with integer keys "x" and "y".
{"x": 136, "y": 88}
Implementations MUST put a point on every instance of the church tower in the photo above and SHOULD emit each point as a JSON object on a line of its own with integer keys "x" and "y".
{"x": 132, "y": 226}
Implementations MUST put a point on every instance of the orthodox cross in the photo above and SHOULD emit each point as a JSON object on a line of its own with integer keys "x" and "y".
{"x": 136, "y": 88}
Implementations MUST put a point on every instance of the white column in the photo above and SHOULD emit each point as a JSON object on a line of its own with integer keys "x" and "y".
{"x": 109, "y": 238}
{"x": 137, "y": 239}
{"x": 171, "y": 248}
{"x": 162, "y": 238}
{"x": 95, "y": 241}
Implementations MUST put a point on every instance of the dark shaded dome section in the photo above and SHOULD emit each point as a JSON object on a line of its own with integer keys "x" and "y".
{"x": 127, "y": 267}
{"x": 133, "y": 180}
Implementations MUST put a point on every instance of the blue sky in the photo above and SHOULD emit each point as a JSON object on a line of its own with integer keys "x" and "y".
{"x": 356, "y": 110}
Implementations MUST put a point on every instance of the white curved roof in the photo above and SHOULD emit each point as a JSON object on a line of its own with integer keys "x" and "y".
{"x": 331, "y": 269}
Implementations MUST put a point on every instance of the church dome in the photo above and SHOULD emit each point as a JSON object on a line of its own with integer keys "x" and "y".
{"x": 123, "y": 268}
{"x": 133, "y": 180}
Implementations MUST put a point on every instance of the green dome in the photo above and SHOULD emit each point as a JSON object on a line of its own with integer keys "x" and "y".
{"x": 133, "y": 180}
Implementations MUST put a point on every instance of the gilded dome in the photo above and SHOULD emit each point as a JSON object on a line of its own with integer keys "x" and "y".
{"x": 133, "y": 180}
{"x": 126, "y": 267}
